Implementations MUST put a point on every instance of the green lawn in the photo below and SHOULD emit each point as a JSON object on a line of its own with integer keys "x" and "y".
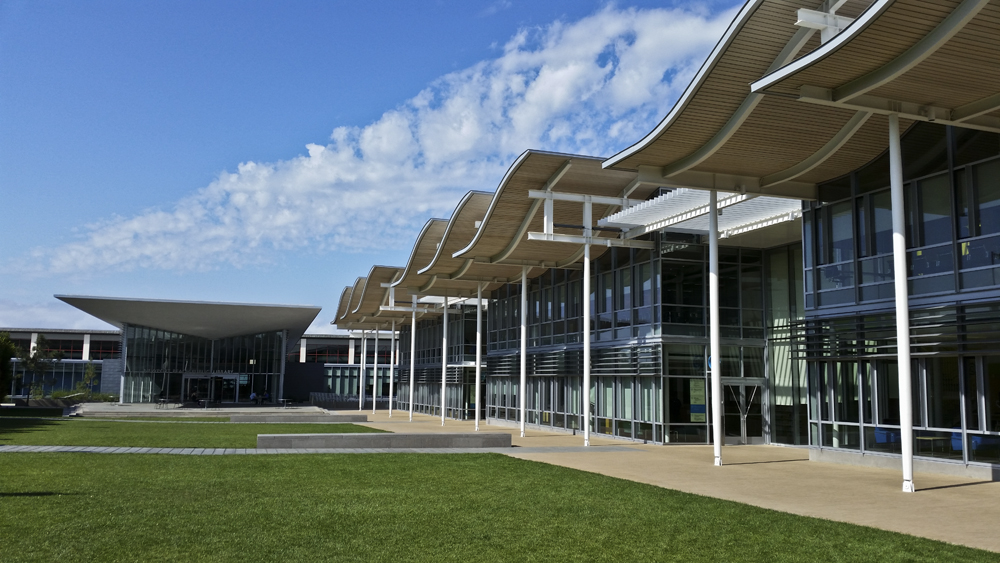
{"x": 76, "y": 432}
{"x": 396, "y": 507}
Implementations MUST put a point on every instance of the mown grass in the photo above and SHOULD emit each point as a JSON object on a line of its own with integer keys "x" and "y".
{"x": 74, "y": 432}
{"x": 396, "y": 507}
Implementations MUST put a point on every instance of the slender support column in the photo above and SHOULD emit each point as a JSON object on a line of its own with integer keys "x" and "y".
{"x": 362, "y": 375}
{"x": 375, "y": 374}
{"x": 413, "y": 351}
{"x": 392, "y": 365}
{"x": 715, "y": 357}
{"x": 585, "y": 392}
{"x": 444, "y": 361}
{"x": 479, "y": 348}
{"x": 524, "y": 345}
{"x": 902, "y": 302}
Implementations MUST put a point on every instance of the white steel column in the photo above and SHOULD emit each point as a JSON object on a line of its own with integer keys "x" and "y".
{"x": 392, "y": 364}
{"x": 902, "y": 302}
{"x": 714, "y": 358}
{"x": 479, "y": 348}
{"x": 375, "y": 373}
{"x": 413, "y": 351}
{"x": 361, "y": 375}
{"x": 524, "y": 344}
{"x": 585, "y": 392}
{"x": 444, "y": 360}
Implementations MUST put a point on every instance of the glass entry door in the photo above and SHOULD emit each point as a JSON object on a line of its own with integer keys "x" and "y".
{"x": 196, "y": 389}
{"x": 742, "y": 418}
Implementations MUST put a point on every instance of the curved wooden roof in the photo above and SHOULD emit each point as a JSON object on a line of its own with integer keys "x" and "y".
{"x": 723, "y": 134}
{"x": 501, "y": 247}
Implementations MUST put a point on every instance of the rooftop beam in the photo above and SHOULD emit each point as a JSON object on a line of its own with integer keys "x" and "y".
{"x": 976, "y": 108}
{"x": 905, "y": 110}
{"x": 523, "y": 228}
{"x": 826, "y": 151}
{"x": 596, "y": 241}
{"x": 913, "y": 56}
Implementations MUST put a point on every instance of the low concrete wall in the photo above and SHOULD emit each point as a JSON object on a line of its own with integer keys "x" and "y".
{"x": 984, "y": 472}
{"x": 468, "y": 440}
{"x": 328, "y": 418}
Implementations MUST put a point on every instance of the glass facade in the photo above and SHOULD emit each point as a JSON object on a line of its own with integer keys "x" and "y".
{"x": 846, "y": 338}
{"x": 460, "y": 376}
{"x": 649, "y": 359}
{"x": 162, "y": 365}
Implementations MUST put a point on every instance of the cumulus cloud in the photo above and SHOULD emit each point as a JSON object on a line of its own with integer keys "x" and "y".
{"x": 591, "y": 86}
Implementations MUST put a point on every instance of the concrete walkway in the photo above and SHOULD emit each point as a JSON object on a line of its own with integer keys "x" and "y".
{"x": 264, "y": 451}
{"x": 945, "y": 508}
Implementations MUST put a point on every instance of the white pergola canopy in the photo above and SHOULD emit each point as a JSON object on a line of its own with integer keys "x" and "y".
{"x": 686, "y": 210}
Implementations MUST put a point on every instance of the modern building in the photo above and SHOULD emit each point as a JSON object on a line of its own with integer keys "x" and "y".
{"x": 76, "y": 349}
{"x": 804, "y": 251}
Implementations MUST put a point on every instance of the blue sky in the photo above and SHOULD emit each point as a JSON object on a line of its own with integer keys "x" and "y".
{"x": 273, "y": 151}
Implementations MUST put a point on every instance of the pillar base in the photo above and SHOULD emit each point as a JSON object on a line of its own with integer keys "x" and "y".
{"x": 718, "y": 462}
{"x": 908, "y": 487}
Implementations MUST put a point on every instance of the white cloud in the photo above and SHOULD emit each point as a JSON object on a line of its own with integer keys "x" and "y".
{"x": 591, "y": 86}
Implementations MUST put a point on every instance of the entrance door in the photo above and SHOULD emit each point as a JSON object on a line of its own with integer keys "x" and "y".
{"x": 224, "y": 389}
{"x": 196, "y": 388}
{"x": 742, "y": 419}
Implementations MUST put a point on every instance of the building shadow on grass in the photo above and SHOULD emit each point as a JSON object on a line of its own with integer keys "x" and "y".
{"x": 10, "y": 426}
{"x": 36, "y": 494}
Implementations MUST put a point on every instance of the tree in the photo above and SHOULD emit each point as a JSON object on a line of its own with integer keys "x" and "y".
{"x": 7, "y": 352}
{"x": 86, "y": 386}
{"x": 37, "y": 364}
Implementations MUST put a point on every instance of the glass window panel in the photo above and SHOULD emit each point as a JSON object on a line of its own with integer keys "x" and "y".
{"x": 752, "y": 287}
{"x": 807, "y": 233}
{"x": 753, "y": 362}
{"x": 962, "y": 205}
{"x": 685, "y": 360}
{"x": 935, "y": 210}
{"x": 882, "y": 217}
{"x": 924, "y": 148}
{"x": 991, "y": 392}
{"x": 836, "y": 277}
{"x": 988, "y": 197}
{"x": 875, "y": 176}
{"x": 927, "y": 261}
{"x": 845, "y": 392}
{"x": 683, "y": 283}
{"x": 971, "y": 394}
{"x": 973, "y": 146}
{"x": 835, "y": 190}
{"x": 731, "y": 361}
{"x": 980, "y": 252}
{"x": 729, "y": 285}
{"x": 822, "y": 253}
{"x": 862, "y": 227}
{"x": 841, "y": 232}
{"x": 887, "y": 379}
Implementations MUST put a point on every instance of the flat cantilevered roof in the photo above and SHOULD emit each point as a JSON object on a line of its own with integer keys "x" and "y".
{"x": 198, "y": 318}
